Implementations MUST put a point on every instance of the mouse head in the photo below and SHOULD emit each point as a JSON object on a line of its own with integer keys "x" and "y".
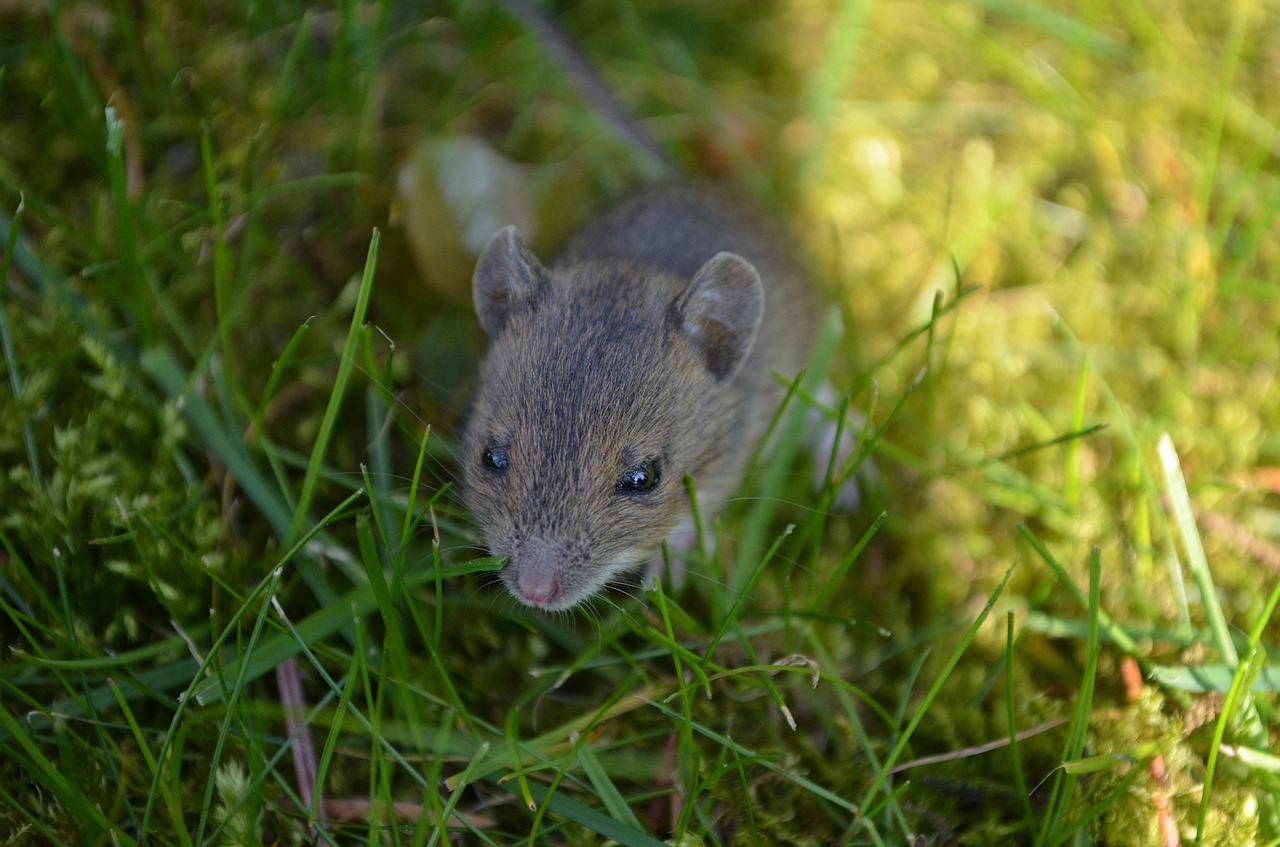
{"x": 605, "y": 384}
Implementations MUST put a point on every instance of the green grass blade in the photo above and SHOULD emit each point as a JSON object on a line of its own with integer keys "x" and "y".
{"x": 744, "y": 593}
{"x": 7, "y": 349}
{"x": 762, "y": 761}
{"x": 606, "y": 790}
{"x": 440, "y": 833}
{"x": 163, "y": 367}
{"x": 1019, "y": 778}
{"x": 591, "y": 819}
{"x": 1114, "y": 632}
{"x": 134, "y": 292}
{"x": 345, "y": 366}
{"x": 905, "y": 736}
{"x": 1237, "y": 701}
{"x": 1180, "y": 504}
{"x": 1202, "y": 679}
{"x": 1062, "y": 793}
{"x": 838, "y": 575}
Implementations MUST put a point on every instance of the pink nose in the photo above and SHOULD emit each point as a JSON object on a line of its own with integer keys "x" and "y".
{"x": 538, "y": 589}
{"x": 538, "y": 568}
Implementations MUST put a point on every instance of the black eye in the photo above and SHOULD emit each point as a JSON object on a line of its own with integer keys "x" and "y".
{"x": 640, "y": 479}
{"x": 495, "y": 458}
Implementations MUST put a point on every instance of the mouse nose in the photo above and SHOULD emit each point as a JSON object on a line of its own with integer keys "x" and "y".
{"x": 538, "y": 567}
{"x": 538, "y": 593}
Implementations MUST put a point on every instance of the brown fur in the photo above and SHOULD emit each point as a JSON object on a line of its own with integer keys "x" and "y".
{"x": 641, "y": 342}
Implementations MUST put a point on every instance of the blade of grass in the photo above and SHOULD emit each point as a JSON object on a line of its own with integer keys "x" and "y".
{"x": 154, "y": 682}
{"x": 1114, "y": 632}
{"x": 214, "y": 689}
{"x": 1197, "y": 562}
{"x": 779, "y": 449}
{"x": 171, "y": 799}
{"x": 236, "y": 691}
{"x": 764, "y": 673}
{"x": 591, "y": 819}
{"x": 559, "y": 740}
{"x": 1263, "y": 760}
{"x": 1236, "y": 702}
{"x": 1019, "y": 778}
{"x": 1143, "y": 481}
{"x": 134, "y": 293}
{"x": 1072, "y": 438}
{"x": 315, "y": 628}
{"x": 923, "y": 329}
{"x": 350, "y": 682}
{"x": 8, "y": 350}
{"x": 222, "y": 294}
{"x": 746, "y": 792}
{"x": 1064, "y": 784}
{"x": 259, "y": 420}
{"x": 743, "y": 594}
{"x": 838, "y": 575}
{"x": 162, "y": 366}
{"x": 1239, "y": 701}
{"x": 407, "y": 527}
{"x": 1060, "y": 26}
{"x": 667, "y": 638}
{"x": 760, "y": 760}
{"x": 441, "y": 832}
{"x": 345, "y": 366}
{"x": 926, "y": 702}
{"x": 687, "y": 753}
{"x": 1203, "y": 679}
{"x": 511, "y": 735}
{"x": 606, "y": 790}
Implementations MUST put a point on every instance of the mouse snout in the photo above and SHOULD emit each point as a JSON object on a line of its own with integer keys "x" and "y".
{"x": 536, "y": 569}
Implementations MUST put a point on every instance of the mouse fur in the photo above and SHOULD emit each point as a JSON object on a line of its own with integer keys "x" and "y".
{"x": 645, "y": 353}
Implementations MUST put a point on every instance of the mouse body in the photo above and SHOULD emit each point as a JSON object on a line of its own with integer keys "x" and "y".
{"x": 646, "y": 353}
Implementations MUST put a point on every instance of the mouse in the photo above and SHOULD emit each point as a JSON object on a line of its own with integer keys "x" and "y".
{"x": 645, "y": 355}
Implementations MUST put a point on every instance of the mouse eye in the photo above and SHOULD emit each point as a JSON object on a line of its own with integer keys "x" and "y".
{"x": 640, "y": 479}
{"x": 495, "y": 458}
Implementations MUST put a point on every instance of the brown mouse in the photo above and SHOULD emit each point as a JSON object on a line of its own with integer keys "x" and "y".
{"x": 645, "y": 353}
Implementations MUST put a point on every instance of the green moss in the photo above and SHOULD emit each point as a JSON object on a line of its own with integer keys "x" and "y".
{"x": 104, "y": 512}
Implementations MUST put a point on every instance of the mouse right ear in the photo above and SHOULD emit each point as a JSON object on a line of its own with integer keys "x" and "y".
{"x": 720, "y": 312}
{"x": 508, "y": 279}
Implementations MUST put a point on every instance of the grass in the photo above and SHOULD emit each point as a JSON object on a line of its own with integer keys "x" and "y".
{"x": 242, "y": 604}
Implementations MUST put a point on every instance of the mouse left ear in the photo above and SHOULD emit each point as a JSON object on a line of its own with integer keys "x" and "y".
{"x": 720, "y": 312}
{"x": 508, "y": 279}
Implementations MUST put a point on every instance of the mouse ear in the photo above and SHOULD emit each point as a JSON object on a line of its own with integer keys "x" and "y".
{"x": 508, "y": 279}
{"x": 720, "y": 312}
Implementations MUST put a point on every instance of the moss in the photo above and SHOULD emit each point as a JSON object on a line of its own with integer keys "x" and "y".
{"x": 103, "y": 510}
